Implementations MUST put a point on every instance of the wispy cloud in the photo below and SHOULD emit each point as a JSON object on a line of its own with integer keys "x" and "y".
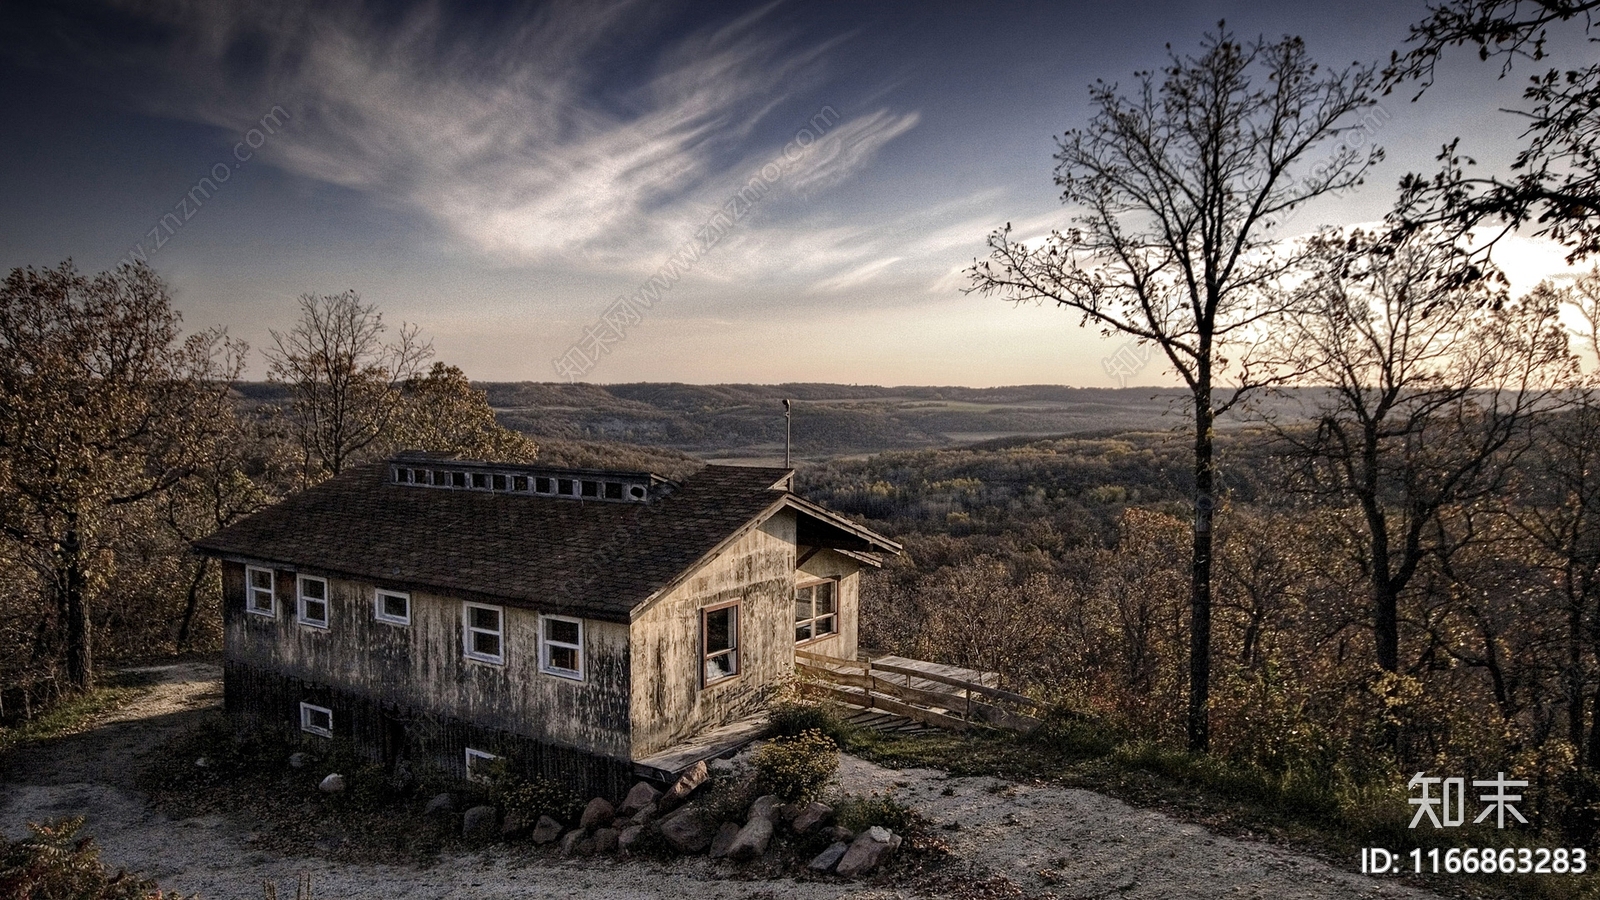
{"x": 564, "y": 133}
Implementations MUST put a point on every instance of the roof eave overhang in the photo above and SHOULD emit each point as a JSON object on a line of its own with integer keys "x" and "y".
{"x": 869, "y": 542}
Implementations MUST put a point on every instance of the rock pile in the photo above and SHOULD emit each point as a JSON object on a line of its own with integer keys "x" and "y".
{"x": 679, "y": 821}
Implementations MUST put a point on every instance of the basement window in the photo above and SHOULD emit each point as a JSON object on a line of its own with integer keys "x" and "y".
{"x": 542, "y": 486}
{"x": 519, "y": 482}
{"x": 719, "y": 642}
{"x": 613, "y": 490}
{"x": 815, "y": 611}
{"x": 258, "y": 592}
{"x": 480, "y": 765}
{"x": 566, "y": 488}
{"x": 561, "y": 646}
{"x": 499, "y": 482}
{"x": 393, "y": 607}
{"x": 316, "y": 720}
{"x": 313, "y": 606}
{"x": 483, "y": 629}
{"x": 458, "y": 479}
{"x": 591, "y": 488}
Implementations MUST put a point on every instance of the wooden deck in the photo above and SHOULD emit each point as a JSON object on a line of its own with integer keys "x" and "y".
{"x": 928, "y": 693}
{"x": 668, "y": 764}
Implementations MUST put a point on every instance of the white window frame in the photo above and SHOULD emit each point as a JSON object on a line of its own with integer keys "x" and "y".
{"x": 300, "y": 601}
{"x": 545, "y": 644}
{"x": 474, "y": 755}
{"x": 468, "y": 630}
{"x": 305, "y": 720}
{"x": 812, "y": 622}
{"x": 733, "y": 652}
{"x": 271, "y": 612}
{"x": 377, "y": 606}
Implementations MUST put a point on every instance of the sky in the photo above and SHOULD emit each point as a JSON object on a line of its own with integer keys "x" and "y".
{"x": 500, "y": 174}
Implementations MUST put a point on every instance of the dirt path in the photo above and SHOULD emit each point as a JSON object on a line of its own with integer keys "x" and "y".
{"x": 1074, "y": 844}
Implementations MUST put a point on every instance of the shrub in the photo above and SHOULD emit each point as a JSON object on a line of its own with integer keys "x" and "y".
{"x": 54, "y": 862}
{"x": 860, "y": 813}
{"x": 533, "y": 797}
{"x": 791, "y": 718}
{"x": 797, "y": 768}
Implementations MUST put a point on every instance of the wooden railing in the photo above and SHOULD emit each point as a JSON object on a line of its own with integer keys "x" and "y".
{"x": 968, "y": 703}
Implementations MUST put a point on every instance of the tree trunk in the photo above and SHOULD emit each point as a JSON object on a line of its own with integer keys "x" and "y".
{"x": 1200, "y": 584}
{"x": 80, "y": 651}
{"x": 192, "y": 603}
{"x": 1575, "y": 698}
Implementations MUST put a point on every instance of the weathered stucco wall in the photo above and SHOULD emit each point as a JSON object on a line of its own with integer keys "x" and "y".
{"x": 669, "y": 703}
{"x": 421, "y": 667}
{"x": 847, "y": 572}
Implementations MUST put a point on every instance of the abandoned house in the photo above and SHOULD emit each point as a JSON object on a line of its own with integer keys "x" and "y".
{"x": 590, "y": 626}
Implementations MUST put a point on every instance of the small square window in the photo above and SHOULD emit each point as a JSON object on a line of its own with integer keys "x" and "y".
{"x": 565, "y": 487}
{"x": 458, "y": 479}
{"x": 480, "y": 765}
{"x": 419, "y": 476}
{"x": 258, "y": 592}
{"x": 480, "y": 480}
{"x": 613, "y": 490}
{"x": 316, "y": 720}
{"x": 313, "y": 605}
{"x": 541, "y": 485}
{"x": 499, "y": 482}
{"x": 441, "y": 478}
{"x": 393, "y": 607}
{"x": 561, "y": 646}
{"x": 483, "y": 632}
{"x": 519, "y": 482}
{"x": 591, "y": 488}
{"x": 401, "y": 476}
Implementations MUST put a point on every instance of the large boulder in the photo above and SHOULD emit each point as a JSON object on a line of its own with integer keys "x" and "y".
{"x": 596, "y": 814}
{"x": 829, "y": 858}
{"x": 641, "y": 796}
{"x": 764, "y": 807}
{"x": 869, "y": 849}
{"x": 628, "y": 839}
{"x": 752, "y": 839}
{"x": 440, "y": 805}
{"x": 546, "y": 830}
{"x": 480, "y": 823}
{"x": 605, "y": 840}
{"x": 683, "y": 787}
{"x": 644, "y": 816}
{"x": 685, "y": 832}
{"x": 299, "y": 760}
{"x": 333, "y": 784}
{"x": 811, "y": 817}
{"x": 571, "y": 842}
{"x": 726, "y": 832}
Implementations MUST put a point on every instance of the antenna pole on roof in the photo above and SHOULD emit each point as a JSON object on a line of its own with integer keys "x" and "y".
{"x": 786, "y": 433}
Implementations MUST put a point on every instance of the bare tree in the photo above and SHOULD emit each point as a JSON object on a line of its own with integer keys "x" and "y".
{"x": 1431, "y": 384}
{"x": 1180, "y": 183}
{"x": 104, "y": 405}
{"x": 343, "y": 379}
{"x": 1554, "y": 183}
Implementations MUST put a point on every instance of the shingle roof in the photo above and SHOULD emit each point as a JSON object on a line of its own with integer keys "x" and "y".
{"x": 596, "y": 558}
